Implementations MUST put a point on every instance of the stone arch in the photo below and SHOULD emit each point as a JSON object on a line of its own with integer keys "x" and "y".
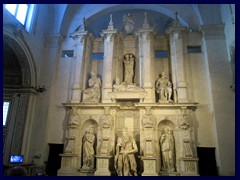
{"x": 24, "y": 55}
{"x": 17, "y": 137}
{"x": 80, "y": 11}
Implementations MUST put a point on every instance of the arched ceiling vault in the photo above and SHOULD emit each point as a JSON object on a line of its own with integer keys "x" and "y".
{"x": 97, "y": 15}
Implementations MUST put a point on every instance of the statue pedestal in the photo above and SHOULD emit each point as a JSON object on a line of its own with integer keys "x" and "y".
{"x": 102, "y": 166}
{"x": 68, "y": 167}
{"x": 87, "y": 171}
{"x": 189, "y": 166}
{"x": 149, "y": 166}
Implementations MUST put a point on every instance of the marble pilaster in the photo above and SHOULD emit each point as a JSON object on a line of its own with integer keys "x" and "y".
{"x": 146, "y": 62}
{"x": 109, "y": 43}
{"x": 82, "y": 54}
{"x": 177, "y": 63}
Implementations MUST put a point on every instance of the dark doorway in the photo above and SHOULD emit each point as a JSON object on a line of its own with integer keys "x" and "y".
{"x": 54, "y": 160}
{"x": 207, "y": 161}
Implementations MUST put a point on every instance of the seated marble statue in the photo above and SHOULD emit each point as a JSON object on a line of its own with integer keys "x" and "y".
{"x": 164, "y": 88}
{"x": 125, "y": 87}
{"x": 93, "y": 93}
{"x": 125, "y": 162}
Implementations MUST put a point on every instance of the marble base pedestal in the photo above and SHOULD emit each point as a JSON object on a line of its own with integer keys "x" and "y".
{"x": 189, "y": 166}
{"x": 84, "y": 171}
{"x": 102, "y": 166}
{"x": 149, "y": 166}
{"x": 68, "y": 167}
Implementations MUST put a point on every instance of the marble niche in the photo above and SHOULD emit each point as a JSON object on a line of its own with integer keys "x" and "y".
{"x": 126, "y": 121}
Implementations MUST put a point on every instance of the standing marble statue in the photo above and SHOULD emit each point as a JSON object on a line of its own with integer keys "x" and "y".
{"x": 125, "y": 162}
{"x": 128, "y": 68}
{"x": 164, "y": 88}
{"x": 88, "y": 149}
{"x": 167, "y": 150}
{"x": 93, "y": 93}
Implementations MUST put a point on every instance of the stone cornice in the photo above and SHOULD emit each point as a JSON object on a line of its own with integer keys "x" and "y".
{"x": 143, "y": 105}
{"x": 215, "y": 31}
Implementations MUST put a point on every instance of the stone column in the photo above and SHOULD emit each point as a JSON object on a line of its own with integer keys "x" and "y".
{"x": 109, "y": 43}
{"x": 149, "y": 153}
{"x": 188, "y": 158}
{"x": 69, "y": 158}
{"x": 146, "y": 61}
{"x": 219, "y": 79}
{"x": 176, "y": 33}
{"x": 82, "y": 53}
{"x": 106, "y": 124}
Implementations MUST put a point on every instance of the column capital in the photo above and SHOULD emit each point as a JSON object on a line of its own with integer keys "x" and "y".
{"x": 145, "y": 32}
{"x": 108, "y": 34}
{"x": 177, "y": 29}
{"x": 215, "y": 31}
{"x": 78, "y": 35}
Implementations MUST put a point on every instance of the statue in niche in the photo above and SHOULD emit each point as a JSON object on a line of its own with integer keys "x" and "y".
{"x": 93, "y": 93}
{"x": 128, "y": 21}
{"x": 125, "y": 162}
{"x": 88, "y": 149}
{"x": 128, "y": 68}
{"x": 167, "y": 150}
{"x": 125, "y": 87}
{"x": 164, "y": 88}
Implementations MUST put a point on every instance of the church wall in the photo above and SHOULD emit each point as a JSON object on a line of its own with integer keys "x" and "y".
{"x": 196, "y": 74}
{"x": 223, "y": 104}
{"x": 49, "y": 114}
{"x": 97, "y": 65}
{"x": 228, "y": 18}
{"x": 161, "y": 64}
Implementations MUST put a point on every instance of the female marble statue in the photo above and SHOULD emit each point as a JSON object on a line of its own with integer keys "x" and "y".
{"x": 125, "y": 163}
{"x": 88, "y": 149}
{"x": 167, "y": 150}
{"x": 93, "y": 93}
{"x": 128, "y": 68}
